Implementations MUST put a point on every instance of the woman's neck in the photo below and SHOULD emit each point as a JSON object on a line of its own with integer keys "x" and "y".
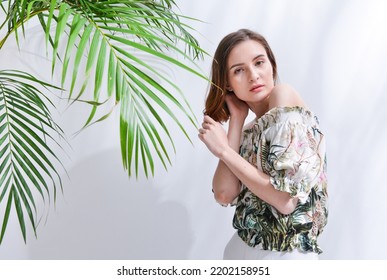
{"x": 259, "y": 108}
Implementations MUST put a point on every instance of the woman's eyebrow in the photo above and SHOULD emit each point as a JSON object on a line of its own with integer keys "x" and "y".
{"x": 240, "y": 64}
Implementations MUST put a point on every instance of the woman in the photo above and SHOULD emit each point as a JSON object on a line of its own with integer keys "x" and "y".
{"x": 274, "y": 168}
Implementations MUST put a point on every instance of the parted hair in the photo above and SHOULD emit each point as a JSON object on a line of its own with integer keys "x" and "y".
{"x": 215, "y": 105}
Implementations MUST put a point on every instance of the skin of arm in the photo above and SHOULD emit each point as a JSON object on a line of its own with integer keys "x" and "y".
{"x": 225, "y": 184}
{"x": 232, "y": 168}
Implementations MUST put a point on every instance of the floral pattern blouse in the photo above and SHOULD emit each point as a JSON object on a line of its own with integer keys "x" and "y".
{"x": 286, "y": 144}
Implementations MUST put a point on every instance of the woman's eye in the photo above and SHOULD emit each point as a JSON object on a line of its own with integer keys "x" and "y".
{"x": 238, "y": 70}
{"x": 258, "y": 63}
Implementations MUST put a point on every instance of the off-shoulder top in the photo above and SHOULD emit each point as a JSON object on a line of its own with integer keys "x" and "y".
{"x": 287, "y": 144}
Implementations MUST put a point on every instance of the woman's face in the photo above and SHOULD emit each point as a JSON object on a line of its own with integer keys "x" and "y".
{"x": 249, "y": 72}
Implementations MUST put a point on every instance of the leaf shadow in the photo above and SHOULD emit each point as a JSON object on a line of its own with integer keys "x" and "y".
{"x": 108, "y": 216}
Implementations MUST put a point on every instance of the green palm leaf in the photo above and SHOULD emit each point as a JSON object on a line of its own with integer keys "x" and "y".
{"x": 115, "y": 52}
{"x": 117, "y": 35}
{"x": 120, "y": 30}
{"x": 27, "y": 161}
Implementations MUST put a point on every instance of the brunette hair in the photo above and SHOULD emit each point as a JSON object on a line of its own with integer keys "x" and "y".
{"x": 215, "y": 105}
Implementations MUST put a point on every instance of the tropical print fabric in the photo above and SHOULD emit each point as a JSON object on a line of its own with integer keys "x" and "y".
{"x": 286, "y": 144}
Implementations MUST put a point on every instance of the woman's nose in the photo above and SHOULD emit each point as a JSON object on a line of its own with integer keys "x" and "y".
{"x": 254, "y": 74}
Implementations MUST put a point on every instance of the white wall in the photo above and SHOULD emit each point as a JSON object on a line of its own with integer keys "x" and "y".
{"x": 333, "y": 52}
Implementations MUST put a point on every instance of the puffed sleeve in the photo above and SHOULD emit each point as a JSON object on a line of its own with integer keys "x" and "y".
{"x": 294, "y": 154}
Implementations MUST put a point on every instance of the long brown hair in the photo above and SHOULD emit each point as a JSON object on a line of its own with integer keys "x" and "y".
{"x": 215, "y": 105}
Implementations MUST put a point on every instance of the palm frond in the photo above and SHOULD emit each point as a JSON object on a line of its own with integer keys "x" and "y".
{"x": 112, "y": 39}
{"x": 118, "y": 51}
{"x": 27, "y": 161}
{"x": 107, "y": 42}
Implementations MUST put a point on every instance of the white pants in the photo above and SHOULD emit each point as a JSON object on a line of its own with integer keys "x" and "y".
{"x": 236, "y": 249}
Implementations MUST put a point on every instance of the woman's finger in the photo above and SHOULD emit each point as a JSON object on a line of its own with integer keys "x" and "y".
{"x": 208, "y": 119}
{"x": 206, "y": 125}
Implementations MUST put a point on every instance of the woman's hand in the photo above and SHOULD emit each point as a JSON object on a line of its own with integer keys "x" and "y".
{"x": 212, "y": 132}
{"x": 214, "y": 136}
{"x": 238, "y": 109}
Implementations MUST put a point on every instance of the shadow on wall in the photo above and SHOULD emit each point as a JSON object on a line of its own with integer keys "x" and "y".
{"x": 107, "y": 216}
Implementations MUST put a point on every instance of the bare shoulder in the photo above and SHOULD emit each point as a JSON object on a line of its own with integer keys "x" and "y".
{"x": 284, "y": 95}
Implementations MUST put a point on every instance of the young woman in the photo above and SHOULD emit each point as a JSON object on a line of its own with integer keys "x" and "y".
{"x": 274, "y": 168}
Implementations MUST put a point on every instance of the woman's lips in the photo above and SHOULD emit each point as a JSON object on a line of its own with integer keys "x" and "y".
{"x": 256, "y": 88}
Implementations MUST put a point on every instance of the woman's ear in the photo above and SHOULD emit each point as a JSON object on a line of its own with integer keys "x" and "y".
{"x": 228, "y": 88}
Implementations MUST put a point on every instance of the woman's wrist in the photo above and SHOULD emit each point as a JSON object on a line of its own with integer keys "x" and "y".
{"x": 235, "y": 128}
{"x": 237, "y": 120}
{"x": 226, "y": 153}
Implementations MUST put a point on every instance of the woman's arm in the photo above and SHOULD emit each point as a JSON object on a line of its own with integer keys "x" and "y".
{"x": 214, "y": 136}
{"x": 225, "y": 184}
{"x": 232, "y": 165}
{"x": 258, "y": 182}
